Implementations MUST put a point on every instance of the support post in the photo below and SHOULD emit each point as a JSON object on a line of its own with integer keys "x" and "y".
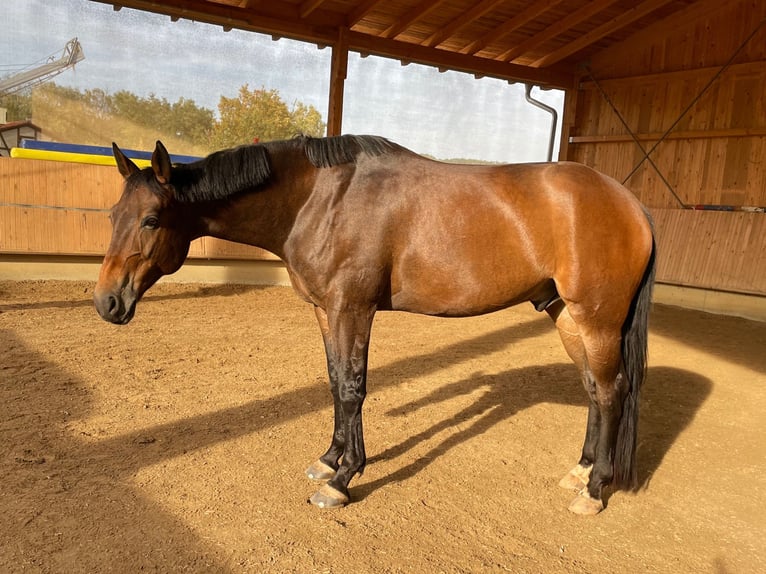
{"x": 568, "y": 119}
{"x": 338, "y": 71}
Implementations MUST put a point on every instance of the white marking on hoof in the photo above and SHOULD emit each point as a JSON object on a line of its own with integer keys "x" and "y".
{"x": 584, "y": 505}
{"x": 328, "y": 497}
{"x": 320, "y": 471}
{"x": 577, "y": 478}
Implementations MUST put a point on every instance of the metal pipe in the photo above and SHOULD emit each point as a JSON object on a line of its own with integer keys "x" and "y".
{"x": 554, "y": 117}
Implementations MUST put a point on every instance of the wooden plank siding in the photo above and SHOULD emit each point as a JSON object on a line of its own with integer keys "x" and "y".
{"x": 711, "y": 249}
{"x": 55, "y": 208}
{"x": 715, "y": 154}
{"x": 699, "y": 81}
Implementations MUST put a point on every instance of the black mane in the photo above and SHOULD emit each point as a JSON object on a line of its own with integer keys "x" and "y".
{"x": 228, "y": 172}
{"x": 337, "y": 150}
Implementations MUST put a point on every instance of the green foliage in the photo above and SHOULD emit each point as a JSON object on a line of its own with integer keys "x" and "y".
{"x": 182, "y": 118}
{"x": 19, "y": 106}
{"x": 97, "y": 117}
{"x": 261, "y": 115}
{"x": 307, "y": 120}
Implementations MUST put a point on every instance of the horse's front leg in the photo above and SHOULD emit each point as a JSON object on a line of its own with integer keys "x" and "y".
{"x": 346, "y": 335}
{"x": 326, "y": 466}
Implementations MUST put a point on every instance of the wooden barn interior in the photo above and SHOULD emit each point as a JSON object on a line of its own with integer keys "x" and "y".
{"x": 663, "y": 95}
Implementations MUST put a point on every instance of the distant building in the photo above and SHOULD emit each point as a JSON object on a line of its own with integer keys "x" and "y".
{"x": 12, "y": 133}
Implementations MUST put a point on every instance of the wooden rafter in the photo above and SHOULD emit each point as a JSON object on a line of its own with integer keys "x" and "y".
{"x": 411, "y": 17}
{"x": 308, "y": 7}
{"x": 461, "y": 62}
{"x": 534, "y": 10}
{"x": 461, "y": 21}
{"x": 555, "y": 30}
{"x": 361, "y": 11}
{"x": 661, "y": 28}
{"x": 625, "y": 18}
{"x": 463, "y": 42}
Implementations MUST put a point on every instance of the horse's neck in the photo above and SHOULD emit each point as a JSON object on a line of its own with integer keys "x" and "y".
{"x": 261, "y": 218}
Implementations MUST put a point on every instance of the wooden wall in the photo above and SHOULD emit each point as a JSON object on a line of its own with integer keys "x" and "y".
{"x": 691, "y": 91}
{"x": 55, "y": 208}
{"x": 713, "y": 156}
{"x": 725, "y": 251}
{"x": 52, "y": 208}
{"x": 711, "y": 59}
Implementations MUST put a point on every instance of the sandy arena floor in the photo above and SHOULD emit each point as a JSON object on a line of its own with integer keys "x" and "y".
{"x": 178, "y": 443}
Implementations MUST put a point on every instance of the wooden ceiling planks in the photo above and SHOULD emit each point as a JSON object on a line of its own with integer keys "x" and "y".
{"x": 538, "y": 41}
{"x": 554, "y": 30}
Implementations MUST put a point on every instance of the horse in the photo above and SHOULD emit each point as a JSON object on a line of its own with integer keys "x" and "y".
{"x": 365, "y": 225}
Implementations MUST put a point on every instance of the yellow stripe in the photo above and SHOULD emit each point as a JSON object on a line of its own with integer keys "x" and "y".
{"x": 71, "y": 157}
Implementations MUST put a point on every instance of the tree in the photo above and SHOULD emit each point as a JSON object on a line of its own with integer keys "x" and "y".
{"x": 261, "y": 115}
{"x": 191, "y": 122}
{"x": 307, "y": 120}
{"x": 182, "y": 118}
{"x": 97, "y": 117}
{"x": 19, "y": 106}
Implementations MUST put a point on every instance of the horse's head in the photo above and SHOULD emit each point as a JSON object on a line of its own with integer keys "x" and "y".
{"x": 149, "y": 237}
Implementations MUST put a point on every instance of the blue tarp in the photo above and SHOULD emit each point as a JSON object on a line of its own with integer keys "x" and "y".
{"x": 99, "y": 150}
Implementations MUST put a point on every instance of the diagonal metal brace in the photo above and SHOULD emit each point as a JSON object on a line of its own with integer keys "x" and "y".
{"x": 638, "y": 143}
{"x": 646, "y": 154}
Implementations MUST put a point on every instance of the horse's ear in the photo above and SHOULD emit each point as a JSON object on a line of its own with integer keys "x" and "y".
{"x": 161, "y": 163}
{"x": 124, "y": 164}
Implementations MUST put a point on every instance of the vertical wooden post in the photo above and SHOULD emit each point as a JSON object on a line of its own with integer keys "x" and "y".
{"x": 569, "y": 118}
{"x": 338, "y": 70}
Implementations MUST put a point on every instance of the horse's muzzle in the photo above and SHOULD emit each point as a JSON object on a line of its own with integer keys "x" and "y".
{"x": 115, "y": 308}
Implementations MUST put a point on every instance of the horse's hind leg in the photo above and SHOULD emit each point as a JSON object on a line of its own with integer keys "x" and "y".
{"x": 610, "y": 389}
{"x": 578, "y": 477}
{"x": 598, "y": 359}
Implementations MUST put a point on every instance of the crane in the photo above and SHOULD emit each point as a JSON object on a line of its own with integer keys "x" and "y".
{"x": 70, "y": 56}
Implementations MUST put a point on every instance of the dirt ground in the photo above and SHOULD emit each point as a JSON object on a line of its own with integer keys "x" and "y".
{"x": 178, "y": 443}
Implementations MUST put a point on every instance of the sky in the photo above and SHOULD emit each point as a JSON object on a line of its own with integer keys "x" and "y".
{"x": 445, "y": 115}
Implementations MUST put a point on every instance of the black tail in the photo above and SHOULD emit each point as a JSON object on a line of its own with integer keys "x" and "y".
{"x": 634, "y": 351}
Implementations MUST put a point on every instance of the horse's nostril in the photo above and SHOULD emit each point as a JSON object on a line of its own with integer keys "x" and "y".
{"x": 108, "y": 306}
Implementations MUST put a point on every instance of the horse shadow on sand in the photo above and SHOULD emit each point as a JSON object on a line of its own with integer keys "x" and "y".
{"x": 670, "y": 400}
{"x": 63, "y": 492}
{"x": 201, "y": 291}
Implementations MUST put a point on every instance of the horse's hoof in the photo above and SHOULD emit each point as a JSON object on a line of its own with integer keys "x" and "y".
{"x": 577, "y": 478}
{"x": 320, "y": 471}
{"x": 584, "y": 505}
{"x": 328, "y": 497}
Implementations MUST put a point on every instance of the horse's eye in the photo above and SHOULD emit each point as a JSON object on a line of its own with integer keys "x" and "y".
{"x": 150, "y": 222}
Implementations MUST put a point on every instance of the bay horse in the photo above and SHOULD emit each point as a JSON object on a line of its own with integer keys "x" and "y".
{"x": 365, "y": 225}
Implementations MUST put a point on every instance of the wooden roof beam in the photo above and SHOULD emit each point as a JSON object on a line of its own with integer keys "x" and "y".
{"x": 276, "y": 19}
{"x": 522, "y": 18}
{"x": 670, "y": 25}
{"x": 442, "y": 59}
{"x": 626, "y": 17}
{"x": 411, "y": 17}
{"x": 361, "y": 11}
{"x": 556, "y": 29}
{"x": 324, "y": 30}
{"x": 308, "y": 7}
{"x": 460, "y": 22}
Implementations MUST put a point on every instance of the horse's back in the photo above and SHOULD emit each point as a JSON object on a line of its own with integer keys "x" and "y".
{"x": 475, "y": 239}
{"x": 444, "y": 239}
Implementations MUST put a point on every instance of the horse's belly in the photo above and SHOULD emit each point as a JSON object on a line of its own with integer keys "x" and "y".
{"x": 459, "y": 292}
